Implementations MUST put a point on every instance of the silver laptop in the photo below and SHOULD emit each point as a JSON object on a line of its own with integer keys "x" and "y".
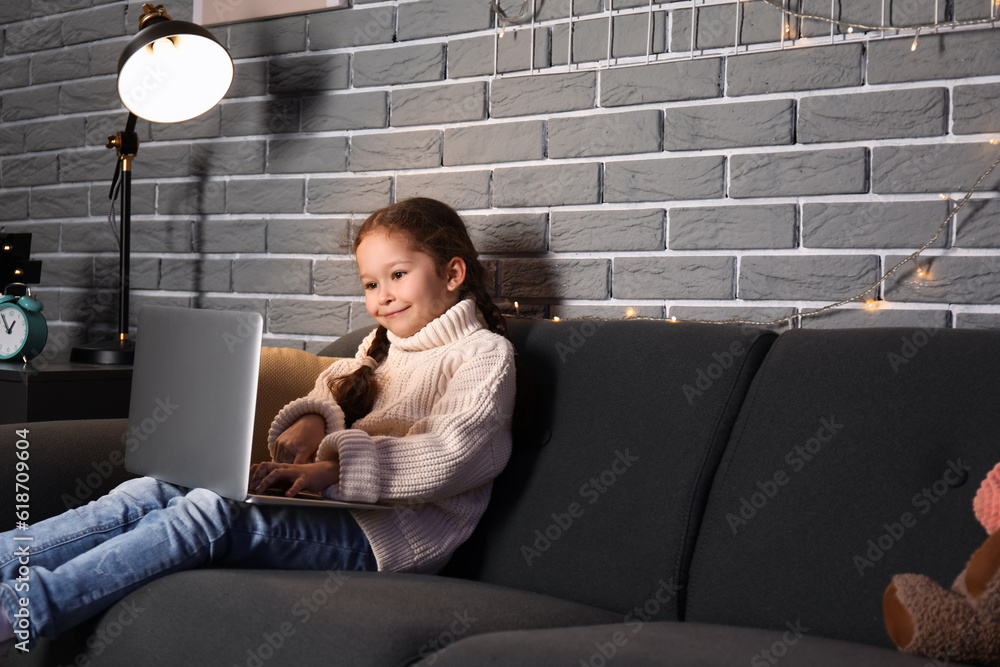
{"x": 194, "y": 391}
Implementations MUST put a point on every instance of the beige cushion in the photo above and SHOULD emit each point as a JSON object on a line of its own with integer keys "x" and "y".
{"x": 285, "y": 374}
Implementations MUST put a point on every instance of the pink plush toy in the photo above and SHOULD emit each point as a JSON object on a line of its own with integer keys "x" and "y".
{"x": 961, "y": 624}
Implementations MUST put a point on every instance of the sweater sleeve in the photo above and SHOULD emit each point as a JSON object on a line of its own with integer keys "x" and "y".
{"x": 463, "y": 443}
{"x": 319, "y": 401}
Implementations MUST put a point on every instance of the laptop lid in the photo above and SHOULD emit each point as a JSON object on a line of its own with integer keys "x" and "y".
{"x": 194, "y": 390}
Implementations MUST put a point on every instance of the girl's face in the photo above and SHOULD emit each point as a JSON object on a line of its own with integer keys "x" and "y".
{"x": 404, "y": 290}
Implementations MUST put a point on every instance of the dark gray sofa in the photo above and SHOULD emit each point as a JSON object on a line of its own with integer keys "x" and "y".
{"x": 679, "y": 494}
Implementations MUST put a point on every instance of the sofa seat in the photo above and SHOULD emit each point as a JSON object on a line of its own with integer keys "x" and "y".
{"x": 256, "y": 617}
{"x": 664, "y": 644}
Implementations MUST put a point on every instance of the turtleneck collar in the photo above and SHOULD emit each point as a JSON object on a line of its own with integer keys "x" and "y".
{"x": 454, "y": 324}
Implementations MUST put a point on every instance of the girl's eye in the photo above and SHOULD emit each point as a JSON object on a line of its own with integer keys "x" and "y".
{"x": 398, "y": 274}
{"x": 370, "y": 286}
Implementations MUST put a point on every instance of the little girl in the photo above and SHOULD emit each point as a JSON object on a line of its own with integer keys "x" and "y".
{"x": 419, "y": 419}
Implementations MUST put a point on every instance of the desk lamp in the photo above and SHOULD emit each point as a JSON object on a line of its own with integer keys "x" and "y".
{"x": 171, "y": 71}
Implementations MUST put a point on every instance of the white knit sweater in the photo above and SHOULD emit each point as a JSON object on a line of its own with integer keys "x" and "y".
{"x": 437, "y": 435}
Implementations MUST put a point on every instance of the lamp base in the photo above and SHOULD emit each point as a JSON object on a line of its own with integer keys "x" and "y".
{"x": 104, "y": 353}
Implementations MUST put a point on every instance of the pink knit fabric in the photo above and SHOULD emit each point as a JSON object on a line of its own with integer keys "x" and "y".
{"x": 986, "y": 504}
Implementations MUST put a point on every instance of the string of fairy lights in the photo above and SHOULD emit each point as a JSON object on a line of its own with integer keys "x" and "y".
{"x": 504, "y": 19}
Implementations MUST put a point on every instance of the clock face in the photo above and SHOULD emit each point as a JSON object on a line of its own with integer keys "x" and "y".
{"x": 14, "y": 331}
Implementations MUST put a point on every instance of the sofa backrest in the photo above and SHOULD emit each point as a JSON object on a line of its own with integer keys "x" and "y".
{"x": 856, "y": 457}
{"x": 606, "y": 485}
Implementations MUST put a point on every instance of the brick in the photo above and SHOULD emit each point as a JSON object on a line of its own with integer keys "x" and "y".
{"x": 399, "y": 64}
{"x": 921, "y": 112}
{"x": 195, "y": 275}
{"x": 251, "y": 39}
{"x": 470, "y": 57}
{"x": 513, "y": 51}
{"x": 462, "y": 190}
{"x": 826, "y": 278}
{"x": 16, "y": 72}
{"x": 590, "y": 41}
{"x": 767, "y": 123}
{"x": 13, "y": 204}
{"x": 33, "y": 36}
{"x": 94, "y": 94}
{"x": 861, "y": 13}
{"x": 270, "y": 195}
{"x": 666, "y": 82}
{"x": 294, "y": 156}
{"x": 813, "y": 68}
{"x": 491, "y": 143}
{"x": 143, "y": 199}
{"x": 12, "y": 140}
{"x": 345, "y": 111}
{"x": 560, "y": 9}
{"x": 977, "y": 109}
{"x": 725, "y": 227}
{"x": 44, "y": 235}
{"x": 348, "y": 194}
{"x": 496, "y": 233}
{"x": 360, "y": 317}
{"x": 976, "y": 224}
{"x": 249, "y": 80}
{"x": 672, "y": 278}
{"x": 228, "y": 157}
{"x": 431, "y": 105}
{"x": 103, "y": 56}
{"x": 603, "y": 230}
{"x": 357, "y": 27}
{"x": 964, "y": 11}
{"x": 162, "y": 161}
{"x": 632, "y": 34}
{"x": 60, "y": 65}
{"x": 880, "y": 224}
{"x": 31, "y": 170}
{"x": 278, "y": 116}
{"x": 206, "y": 126}
{"x": 93, "y": 25}
{"x": 932, "y": 169}
{"x": 619, "y": 133}
{"x": 919, "y": 11}
{"x": 947, "y": 280}
{"x": 272, "y": 275}
{"x": 30, "y": 103}
{"x": 945, "y": 56}
{"x": 664, "y": 179}
{"x": 977, "y": 320}
{"x": 89, "y": 237}
{"x": 230, "y": 235}
{"x": 843, "y": 318}
{"x": 337, "y": 277}
{"x": 397, "y": 150}
{"x": 324, "y": 236}
{"x": 13, "y": 11}
{"x": 308, "y": 317}
{"x": 300, "y": 74}
{"x": 554, "y": 278}
{"x": 840, "y": 171}
{"x": 546, "y": 185}
{"x": 191, "y": 198}
{"x": 431, "y": 18}
{"x": 160, "y": 236}
{"x": 716, "y": 26}
{"x": 546, "y": 93}
{"x": 68, "y": 271}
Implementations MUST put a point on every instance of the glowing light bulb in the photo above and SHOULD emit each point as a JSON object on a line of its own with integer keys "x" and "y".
{"x": 994, "y": 142}
{"x": 871, "y": 304}
{"x": 673, "y": 318}
{"x": 916, "y": 36}
{"x": 630, "y": 312}
{"x": 6, "y": 248}
{"x": 502, "y": 31}
{"x": 850, "y": 29}
{"x": 555, "y": 319}
{"x": 17, "y": 272}
{"x": 164, "y": 48}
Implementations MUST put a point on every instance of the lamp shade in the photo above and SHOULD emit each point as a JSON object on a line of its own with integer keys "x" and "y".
{"x": 172, "y": 71}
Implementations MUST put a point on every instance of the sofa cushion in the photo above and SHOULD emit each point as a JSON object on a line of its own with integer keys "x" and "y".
{"x": 604, "y": 490}
{"x": 675, "y": 644}
{"x": 856, "y": 457}
{"x": 260, "y": 617}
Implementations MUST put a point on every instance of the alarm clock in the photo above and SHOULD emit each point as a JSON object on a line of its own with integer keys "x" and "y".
{"x": 23, "y": 329}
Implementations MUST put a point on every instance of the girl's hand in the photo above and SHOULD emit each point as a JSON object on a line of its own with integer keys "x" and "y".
{"x": 302, "y": 476}
{"x": 300, "y": 441}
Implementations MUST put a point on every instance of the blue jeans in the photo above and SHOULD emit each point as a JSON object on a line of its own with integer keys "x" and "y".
{"x": 86, "y": 559}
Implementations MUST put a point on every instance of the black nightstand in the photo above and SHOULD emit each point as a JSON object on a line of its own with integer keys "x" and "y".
{"x": 45, "y": 391}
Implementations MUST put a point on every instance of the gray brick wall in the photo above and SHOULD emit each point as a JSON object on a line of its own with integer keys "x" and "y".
{"x": 758, "y": 181}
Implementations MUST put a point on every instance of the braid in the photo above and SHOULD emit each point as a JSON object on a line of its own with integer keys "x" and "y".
{"x": 477, "y": 290}
{"x": 355, "y": 393}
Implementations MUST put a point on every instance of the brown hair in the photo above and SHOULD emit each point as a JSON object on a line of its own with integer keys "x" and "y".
{"x": 437, "y": 230}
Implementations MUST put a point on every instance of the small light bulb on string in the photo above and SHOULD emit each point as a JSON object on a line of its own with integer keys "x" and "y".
{"x": 673, "y": 318}
{"x": 555, "y": 319}
{"x": 916, "y": 36}
{"x": 503, "y": 29}
{"x": 517, "y": 310}
{"x": 630, "y": 312}
{"x": 872, "y": 304}
{"x": 994, "y": 142}
{"x": 17, "y": 272}
{"x": 6, "y": 248}
{"x": 850, "y": 29}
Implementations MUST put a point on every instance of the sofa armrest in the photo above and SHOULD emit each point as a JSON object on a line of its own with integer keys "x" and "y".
{"x": 69, "y": 464}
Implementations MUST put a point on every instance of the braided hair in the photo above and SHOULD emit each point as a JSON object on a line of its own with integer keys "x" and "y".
{"x": 437, "y": 230}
